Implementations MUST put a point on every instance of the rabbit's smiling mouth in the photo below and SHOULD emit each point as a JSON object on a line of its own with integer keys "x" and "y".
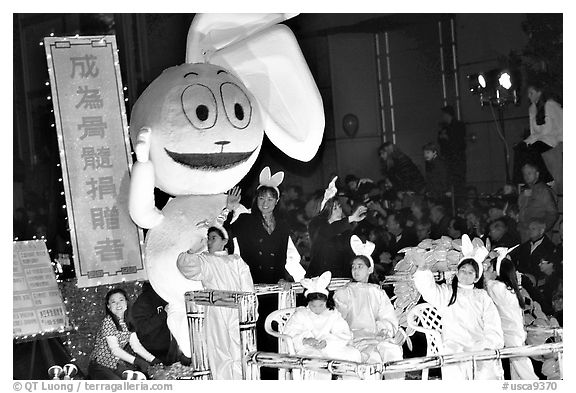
{"x": 209, "y": 161}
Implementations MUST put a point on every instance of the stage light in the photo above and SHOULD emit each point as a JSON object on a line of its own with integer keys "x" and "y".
{"x": 476, "y": 82}
{"x": 496, "y": 87}
{"x": 505, "y": 80}
{"x": 482, "y": 81}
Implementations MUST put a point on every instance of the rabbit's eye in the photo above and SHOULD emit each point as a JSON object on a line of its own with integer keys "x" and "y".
{"x": 199, "y": 106}
{"x": 236, "y": 105}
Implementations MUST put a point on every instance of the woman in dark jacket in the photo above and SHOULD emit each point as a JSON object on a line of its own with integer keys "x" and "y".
{"x": 330, "y": 233}
{"x": 263, "y": 236}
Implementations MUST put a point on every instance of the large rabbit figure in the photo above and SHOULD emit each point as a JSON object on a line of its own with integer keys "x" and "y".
{"x": 198, "y": 128}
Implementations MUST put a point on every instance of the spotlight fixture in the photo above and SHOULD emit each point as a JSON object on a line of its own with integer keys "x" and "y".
{"x": 505, "y": 80}
{"x": 476, "y": 82}
{"x": 482, "y": 81}
{"x": 496, "y": 87}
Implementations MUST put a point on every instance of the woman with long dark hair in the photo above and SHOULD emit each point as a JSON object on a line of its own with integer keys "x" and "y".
{"x": 263, "y": 237}
{"x": 470, "y": 320}
{"x": 263, "y": 234}
{"x": 109, "y": 359}
{"x": 330, "y": 233}
{"x": 546, "y": 130}
{"x": 502, "y": 286}
{"x": 545, "y": 117}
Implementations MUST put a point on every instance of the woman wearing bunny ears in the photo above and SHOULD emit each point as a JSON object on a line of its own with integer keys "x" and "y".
{"x": 263, "y": 238}
{"x": 368, "y": 311}
{"x": 330, "y": 233}
{"x": 318, "y": 330}
{"x": 502, "y": 286}
{"x": 470, "y": 320}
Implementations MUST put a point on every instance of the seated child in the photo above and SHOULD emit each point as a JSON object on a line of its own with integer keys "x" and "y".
{"x": 318, "y": 330}
{"x": 219, "y": 270}
{"x": 368, "y": 311}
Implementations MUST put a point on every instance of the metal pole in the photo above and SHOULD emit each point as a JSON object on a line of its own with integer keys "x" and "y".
{"x": 380, "y": 85}
{"x": 442, "y": 67}
{"x": 506, "y": 152}
{"x": 455, "y": 65}
{"x": 389, "y": 77}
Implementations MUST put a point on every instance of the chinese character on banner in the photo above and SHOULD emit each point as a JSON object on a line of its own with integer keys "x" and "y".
{"x": 95, "y": 157}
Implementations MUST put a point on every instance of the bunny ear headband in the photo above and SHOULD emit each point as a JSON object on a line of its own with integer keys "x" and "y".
{"x": 266, "y": 179}
{"x": 502, "y": 253}
{"x": 317, "y": 284}
{"x": 218, "y": 222}
{"x": 365, "y": 249}
{"x": 330, "y": 192}
{"x": 477, "y": 252}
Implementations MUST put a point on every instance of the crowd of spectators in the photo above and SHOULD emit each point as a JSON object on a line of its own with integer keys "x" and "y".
{"x": 402, "y": 213}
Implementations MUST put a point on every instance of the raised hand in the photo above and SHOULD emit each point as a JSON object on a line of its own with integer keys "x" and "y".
{"x": 233, "y": 198}
{"x": 359, "y": 214}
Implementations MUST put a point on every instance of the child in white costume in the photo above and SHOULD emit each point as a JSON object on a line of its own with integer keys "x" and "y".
{"x": 502, "y": 286}
{"x": 368, "y": 311}
{"x": 219, "y": 270}
{"x": 318, "y": 331}
{"x": 470, "y": 320}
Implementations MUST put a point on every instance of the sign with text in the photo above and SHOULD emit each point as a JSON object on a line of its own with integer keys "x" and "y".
{"x": 95, "y": 156}
{"x": 36, "y": 300}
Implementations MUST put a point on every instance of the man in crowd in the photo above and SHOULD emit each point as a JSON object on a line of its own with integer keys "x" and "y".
{"x": 499, "y": 234}
{"x": 437, "y": 184}
{"x": 399, "y": 168}
{"x": 400, "y": 237}
{"x": 452, "y": 141}
{"x": 527, "y": 257}
{"x": 536, "y": 200}
{"x": 440, "y": 221}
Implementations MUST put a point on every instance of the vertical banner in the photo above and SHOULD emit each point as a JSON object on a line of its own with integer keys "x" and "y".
{"x": 36, "y": 299}
{"x": 95, "y": 155}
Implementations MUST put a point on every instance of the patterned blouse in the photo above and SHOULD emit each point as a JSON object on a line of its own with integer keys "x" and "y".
{"x": 102, "y": 354}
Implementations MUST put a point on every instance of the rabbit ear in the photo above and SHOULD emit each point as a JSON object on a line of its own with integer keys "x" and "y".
{"x": 480, "y": 254}
{"x": 361, "y": 248}
{"x": 513, "y": 248}
{"x": 324, "y": 279}
{"x": 467, "y": 247}
{"x": 332, "y": 183}
{"x": 273, "y": 69}
{"x": 265, "y": 175}
{"x": 488, "y": 244}
{"x": 306, "y": 282}
{"x": 277, "y": 178}
{"x": 356, "y": 244}
{"x": 369, "y": 248}
{"x": 266, "y": 57}
{"x": 209, "y": 33}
